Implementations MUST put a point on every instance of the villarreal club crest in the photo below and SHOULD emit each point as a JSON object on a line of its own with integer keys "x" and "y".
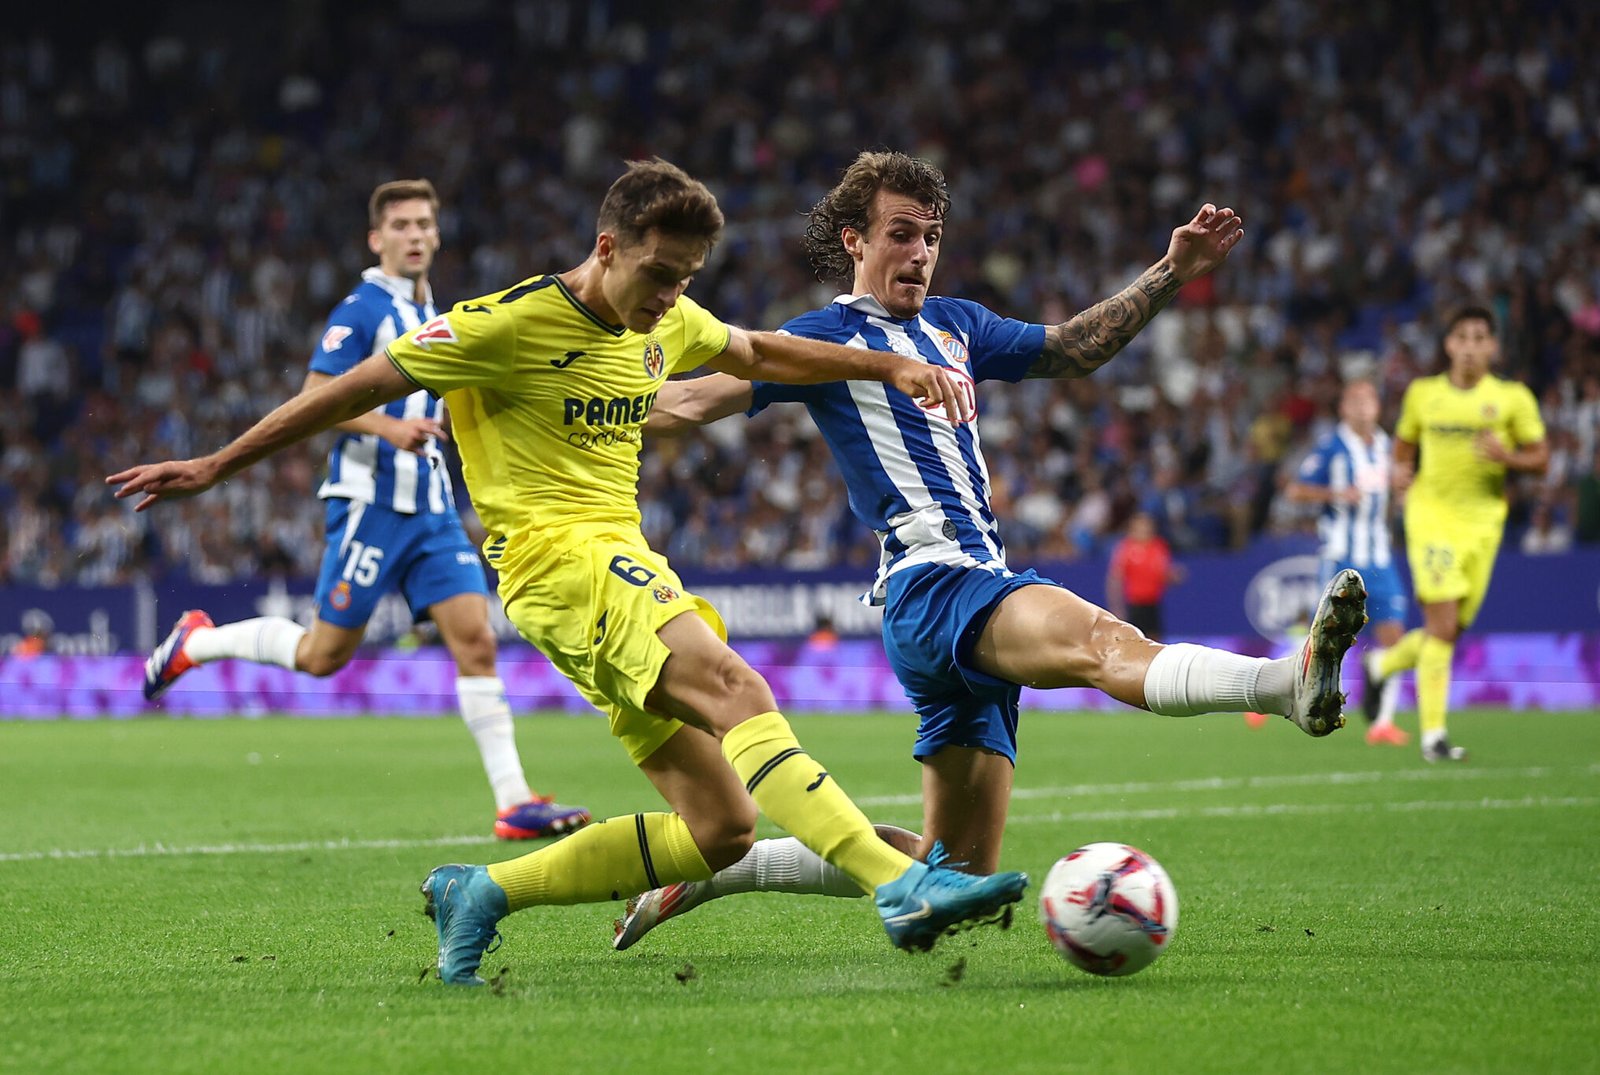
{"x": 655, "y": 359}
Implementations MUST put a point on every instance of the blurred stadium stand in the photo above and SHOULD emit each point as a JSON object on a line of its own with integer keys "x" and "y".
{"x": 182, "y": 200}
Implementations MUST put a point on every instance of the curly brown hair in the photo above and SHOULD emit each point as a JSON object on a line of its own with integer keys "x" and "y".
{"x": 849, "y": 205}
{"x": 657, "y": 194}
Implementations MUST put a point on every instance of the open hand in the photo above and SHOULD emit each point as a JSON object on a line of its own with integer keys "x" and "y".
{"x": 171, "y": 480}
{"x": 1202, "y": 244}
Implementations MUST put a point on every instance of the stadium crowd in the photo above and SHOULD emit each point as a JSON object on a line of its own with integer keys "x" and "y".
{"x": 180, "y": 210}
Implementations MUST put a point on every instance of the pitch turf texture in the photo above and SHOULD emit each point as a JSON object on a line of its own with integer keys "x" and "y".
{"x": 242, "y": 896}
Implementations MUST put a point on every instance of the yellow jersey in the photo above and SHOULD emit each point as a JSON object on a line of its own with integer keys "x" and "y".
{"x": 1444, "y": 422}
{"x": 548, "y": 401}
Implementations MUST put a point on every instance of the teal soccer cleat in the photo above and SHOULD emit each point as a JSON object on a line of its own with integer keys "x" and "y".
{"x": 464, "y": 904}
{"x": 931, "y": 899}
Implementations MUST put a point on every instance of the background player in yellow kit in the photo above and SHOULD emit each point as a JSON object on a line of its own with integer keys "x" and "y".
{"x": 550, "y": 383}
{"x": 1469, "y": 427}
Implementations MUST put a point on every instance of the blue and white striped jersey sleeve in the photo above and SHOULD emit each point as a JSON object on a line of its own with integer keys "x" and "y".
{"x": 764, "y": 394}
{"x": 1314, "y": 469}
{"x": 1003, "y": 348}
{"x": 347, "y": 339}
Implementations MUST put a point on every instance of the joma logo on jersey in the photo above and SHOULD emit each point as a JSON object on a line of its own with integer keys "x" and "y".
{"x": 655, "y": 359}
{"x": 436, "y": 331}
{"x": 596, "y": 411}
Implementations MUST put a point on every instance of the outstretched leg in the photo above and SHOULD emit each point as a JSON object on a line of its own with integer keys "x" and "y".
{"x": 1047, "y": 636}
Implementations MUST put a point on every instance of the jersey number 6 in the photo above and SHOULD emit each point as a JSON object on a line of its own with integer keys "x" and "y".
{"x": 631, "y": 571}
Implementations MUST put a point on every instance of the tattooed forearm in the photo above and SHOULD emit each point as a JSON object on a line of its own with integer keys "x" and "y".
{"x": 1078, "y": 347}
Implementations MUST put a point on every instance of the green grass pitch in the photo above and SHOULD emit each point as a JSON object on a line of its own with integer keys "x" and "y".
{"x": 184, "y": 896}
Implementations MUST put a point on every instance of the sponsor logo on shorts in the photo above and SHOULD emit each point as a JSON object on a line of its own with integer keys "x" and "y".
{"x": 665, "y": 594}
{"x": 1283, "y": 595}
{"x": 339, "y": 599}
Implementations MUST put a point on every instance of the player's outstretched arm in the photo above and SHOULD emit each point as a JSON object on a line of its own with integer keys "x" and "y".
{"x": 1078, "y": 347}
{"x": 682, "y": 405}
{"x": 369, "y": 384}
{"x": 407, "y": 434}
{"x": 786, "y": 359}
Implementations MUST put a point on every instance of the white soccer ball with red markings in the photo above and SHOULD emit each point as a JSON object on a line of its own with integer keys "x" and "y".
{"x": 1109, "y": 908}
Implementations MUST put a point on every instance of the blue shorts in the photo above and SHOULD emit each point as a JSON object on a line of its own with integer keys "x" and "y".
{"x": 1386, "y": 597}
{"x": 373, "y": 549}
{"x": 932, "y": 619}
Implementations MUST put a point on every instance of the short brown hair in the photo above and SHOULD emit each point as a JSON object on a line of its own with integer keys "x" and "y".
{"x": 658, "y": 194}
{"x": 400, "y": 190}
{"x": 849, "y": 205}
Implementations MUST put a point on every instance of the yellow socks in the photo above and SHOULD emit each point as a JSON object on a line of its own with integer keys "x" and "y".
{"x": 618, "y": 858}
{"x": 622, "y": 856}
{"x": 1402, "y": 655}
{"x": 1433, "y": 685}
{"x": 798, "y": 794}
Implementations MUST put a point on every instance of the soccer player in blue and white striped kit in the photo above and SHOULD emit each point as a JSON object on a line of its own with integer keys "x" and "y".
{"x": 391, "y": 524}
{"x": 1349, "y": 471}
{"x": 963, "y": 631}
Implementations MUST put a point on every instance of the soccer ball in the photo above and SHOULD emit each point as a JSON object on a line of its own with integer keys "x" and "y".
{"x": 1109, "y": 908}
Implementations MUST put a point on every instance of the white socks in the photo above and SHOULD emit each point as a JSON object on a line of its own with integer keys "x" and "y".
{"x": 1388, "y": 698}
{"x": 488, "y": 718}
{"x": 267, "y": 640}
{"x": 1185, "y": 680}
{"x": 782, "y": 865}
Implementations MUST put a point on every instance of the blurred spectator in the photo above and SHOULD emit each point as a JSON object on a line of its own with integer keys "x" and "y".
{"x": 1141, "y": 569}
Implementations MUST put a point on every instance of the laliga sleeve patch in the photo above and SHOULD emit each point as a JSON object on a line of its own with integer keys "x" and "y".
{"x": 334, "y": 338}
{"x": 436, "y": 331}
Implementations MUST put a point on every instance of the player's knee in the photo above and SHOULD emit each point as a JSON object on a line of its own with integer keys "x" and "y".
{"x": 728, "y": 838}
{"x": 741, "y": 686}
{"x": 1084, "y": 656}
{"x": 475, "y": 653}
{"x": 322, "y": 664}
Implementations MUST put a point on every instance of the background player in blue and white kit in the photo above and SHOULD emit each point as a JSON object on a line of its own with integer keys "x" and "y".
{"x": 963, "y": 631}
{"x": 391, "y": 525}
{"x": 1348, "y": 472}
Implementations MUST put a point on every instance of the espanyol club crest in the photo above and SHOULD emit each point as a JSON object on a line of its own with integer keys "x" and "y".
{"x": 954, "y": 349}
{"x": 655, "y": 359}
{"x": 1283, "y": 595}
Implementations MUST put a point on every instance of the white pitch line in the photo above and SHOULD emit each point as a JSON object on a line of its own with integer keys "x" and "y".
{"x": 1055, "y": 817}
{"x": 1287, "y": 780}
{"x": 159, "y": 850}
{"x": 1279, "y": 809}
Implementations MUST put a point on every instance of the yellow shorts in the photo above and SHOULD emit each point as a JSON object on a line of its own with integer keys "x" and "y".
{"x": 592, "y": 600}
{"x": 1452, "y": 561}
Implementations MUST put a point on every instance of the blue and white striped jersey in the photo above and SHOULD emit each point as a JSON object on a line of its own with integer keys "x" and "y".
{"x": 366, "y": 467}
{"x": 917, "y": 480}
{"x": 1353, "y": 534}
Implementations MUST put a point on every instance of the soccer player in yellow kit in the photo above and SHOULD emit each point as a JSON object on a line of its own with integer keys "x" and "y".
{"x": 550, "y": 383}
{"x": 1470, "y": 427}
